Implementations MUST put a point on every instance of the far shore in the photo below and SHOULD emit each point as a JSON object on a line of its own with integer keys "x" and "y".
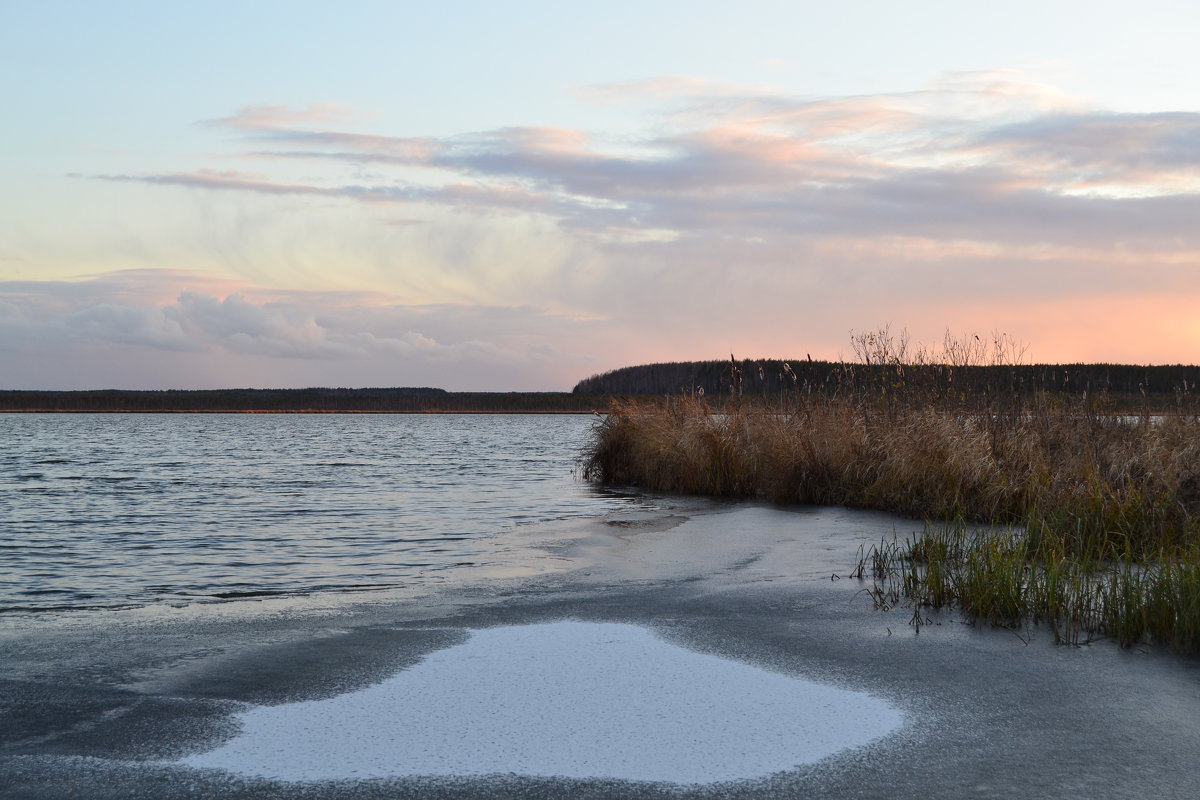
{"x": 286, "y": 411}
{"x": 316, "y": 400}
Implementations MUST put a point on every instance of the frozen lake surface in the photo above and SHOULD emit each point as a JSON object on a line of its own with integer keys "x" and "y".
{"x": 563, "y": 699}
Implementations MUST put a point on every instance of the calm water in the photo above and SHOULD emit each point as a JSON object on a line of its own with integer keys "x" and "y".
{"x": 114, "y": 509}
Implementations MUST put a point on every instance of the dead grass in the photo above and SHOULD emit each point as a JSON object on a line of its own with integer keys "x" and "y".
{"x": 1102, "y": 510}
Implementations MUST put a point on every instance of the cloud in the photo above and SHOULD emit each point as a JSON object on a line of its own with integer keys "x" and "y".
{"x": 127, "y": 287}
{"x": 276, "y": 117}
{"x": 1103, "y": 147}
{"x": 358, "y": 334}
{"x": 988, "y": 156}
{"x": 460, "y": 196}
{"x": 739, "y": 216}
{"x": 230, "y": 180}
{"x": 160, "y": 328}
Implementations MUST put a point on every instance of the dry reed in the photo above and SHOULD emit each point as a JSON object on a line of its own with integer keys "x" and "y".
{"x": 1101, "y": 511}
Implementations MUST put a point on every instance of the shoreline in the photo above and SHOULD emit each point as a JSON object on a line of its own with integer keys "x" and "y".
{"x": 285, "y": 411}
{"x": 102, "y": 705}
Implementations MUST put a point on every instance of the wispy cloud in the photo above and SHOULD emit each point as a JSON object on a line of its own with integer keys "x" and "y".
{"x": 985, "y": 156}
{"x": 263, "y": 117}
{"x": 1157, "y": 152}
{"x": 965, "y": 202}
{"x": 228, "y": 180}
{"x": 122, "y": 317}
{"x": 462, "y": 195}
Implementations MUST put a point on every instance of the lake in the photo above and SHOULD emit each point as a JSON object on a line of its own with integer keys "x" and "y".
{"x": 652, "y": 648}
{"x": 111, "y": 510}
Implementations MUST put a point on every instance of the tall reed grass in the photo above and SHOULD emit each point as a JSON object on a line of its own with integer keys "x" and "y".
{"x": 1100, "y": 511}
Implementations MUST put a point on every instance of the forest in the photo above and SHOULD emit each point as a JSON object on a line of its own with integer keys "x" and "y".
{"x": 315, "y": 400}
{"x": 1127, "y": 385}
{"x": 1120, "y": 386}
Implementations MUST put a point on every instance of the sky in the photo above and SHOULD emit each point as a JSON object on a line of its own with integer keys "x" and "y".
{"x": 514, "y": 196}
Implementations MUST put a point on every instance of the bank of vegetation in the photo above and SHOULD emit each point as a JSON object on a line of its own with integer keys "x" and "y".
{"x": 316, "y": 400}
{"x": 1124, "y": 386}
{"x": 1062, "y": 508}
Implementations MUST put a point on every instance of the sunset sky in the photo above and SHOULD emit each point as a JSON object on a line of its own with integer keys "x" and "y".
{"x": 516, "y": 195}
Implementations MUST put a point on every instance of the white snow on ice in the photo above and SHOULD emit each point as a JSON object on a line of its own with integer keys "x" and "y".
{"x": 570, "y": 699}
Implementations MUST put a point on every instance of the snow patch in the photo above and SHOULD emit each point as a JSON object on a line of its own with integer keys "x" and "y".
{"x": 567, "y": 699}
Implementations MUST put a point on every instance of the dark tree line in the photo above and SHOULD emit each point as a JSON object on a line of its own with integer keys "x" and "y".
{"x": 777, "y": 378}
{"x": 395, "y": 400}
{"x": 772, "y": 379}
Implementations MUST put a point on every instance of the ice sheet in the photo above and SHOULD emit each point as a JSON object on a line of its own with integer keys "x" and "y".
{"x": 570, "y": 699}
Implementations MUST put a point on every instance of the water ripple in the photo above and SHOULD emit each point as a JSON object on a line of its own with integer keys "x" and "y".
{"x": 114, "y": 510}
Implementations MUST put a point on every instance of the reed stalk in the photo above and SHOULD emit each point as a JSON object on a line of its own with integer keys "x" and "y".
{"x": 1098, "y": 513}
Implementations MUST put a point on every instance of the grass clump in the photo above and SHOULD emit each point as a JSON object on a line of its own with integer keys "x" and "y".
{"x": 1094, "y": 516}
{"x": 1008, "y": 578}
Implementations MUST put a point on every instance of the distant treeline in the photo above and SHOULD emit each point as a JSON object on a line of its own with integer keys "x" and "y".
{"x": 776, "y": 378}
{"x": 1126, "y": 385}
{"x": 395, "y": 400}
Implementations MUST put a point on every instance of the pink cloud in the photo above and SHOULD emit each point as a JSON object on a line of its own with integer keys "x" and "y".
{"x": 770, "y": 212}
{"x": 276, "y": 117}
